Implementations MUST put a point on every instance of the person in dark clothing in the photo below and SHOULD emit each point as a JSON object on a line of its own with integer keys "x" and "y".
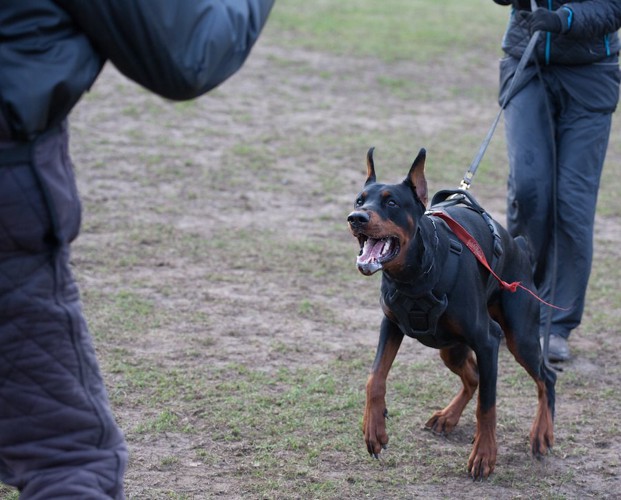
{"x": 557, "y": 126}
{"x": 58, "y": 438}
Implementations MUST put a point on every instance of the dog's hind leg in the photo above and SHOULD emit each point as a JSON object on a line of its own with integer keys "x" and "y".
{"x": 461, "y": 361}
{"x": 375, "y": 413}
{"x": 523, "y": 342}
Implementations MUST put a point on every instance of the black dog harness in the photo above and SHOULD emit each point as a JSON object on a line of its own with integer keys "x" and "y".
{"x": 418, "y": 307}
{"x": 452, "y": 197}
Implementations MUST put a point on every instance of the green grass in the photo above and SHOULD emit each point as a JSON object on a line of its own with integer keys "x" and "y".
{"x": 294, "y": 424}
{"x": 396, "y": 29}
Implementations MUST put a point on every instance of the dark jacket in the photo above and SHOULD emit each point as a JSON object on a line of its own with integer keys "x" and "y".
{"x": 592, "y": 36}
{"x": 51, "y": 51}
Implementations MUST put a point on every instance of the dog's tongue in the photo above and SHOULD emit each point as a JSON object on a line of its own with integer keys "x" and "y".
{"x": 369, "y": 260}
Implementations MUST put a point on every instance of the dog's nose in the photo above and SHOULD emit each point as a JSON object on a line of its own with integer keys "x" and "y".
{"x": 358, "y": 218}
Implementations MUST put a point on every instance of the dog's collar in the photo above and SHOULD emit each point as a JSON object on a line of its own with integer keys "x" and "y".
{"x": 434, "y": 252}
{"x": 433, "y": 277}
{"x": 436, "y": 244}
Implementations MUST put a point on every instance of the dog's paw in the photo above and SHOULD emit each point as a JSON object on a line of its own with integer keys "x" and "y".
{"x": 442, "y": 423}
{"x": 482, "y": 460}
{"x": 541, "y": 439}
{"x": 374, "y": 429}
{"x": 480, "y": 469}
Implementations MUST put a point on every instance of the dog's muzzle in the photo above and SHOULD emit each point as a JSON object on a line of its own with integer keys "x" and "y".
{"x": 374, "y": 251}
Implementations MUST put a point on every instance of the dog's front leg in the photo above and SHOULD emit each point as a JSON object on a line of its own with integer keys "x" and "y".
{"x": 374, "y": 422}
{"x": 483, "y": 457}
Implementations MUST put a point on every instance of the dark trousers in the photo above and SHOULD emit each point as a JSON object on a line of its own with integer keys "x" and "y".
{"x": 565, "y": 146}
{"x": 58, "y": 438}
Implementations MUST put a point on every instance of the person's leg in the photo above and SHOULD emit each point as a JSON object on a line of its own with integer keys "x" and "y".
{"x": 58, "y": 438}
{"x": 582, "y": 142}
{"x": 530, "y": 125}
{"x": 529, "y": 185}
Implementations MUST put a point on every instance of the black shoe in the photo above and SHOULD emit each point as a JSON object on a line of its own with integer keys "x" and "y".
{"x": 558, "y": 349}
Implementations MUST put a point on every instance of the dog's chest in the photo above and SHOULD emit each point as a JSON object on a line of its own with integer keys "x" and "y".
{"x": 417, "y": 317}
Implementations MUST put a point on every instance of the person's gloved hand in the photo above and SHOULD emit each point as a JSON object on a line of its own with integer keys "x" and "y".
{"x": 552, "y": 21}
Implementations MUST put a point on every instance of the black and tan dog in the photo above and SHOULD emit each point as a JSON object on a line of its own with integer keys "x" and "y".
{"x": 435, "y": 290}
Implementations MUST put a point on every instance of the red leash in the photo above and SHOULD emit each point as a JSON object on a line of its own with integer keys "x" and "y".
{"x": 477, "y": 251}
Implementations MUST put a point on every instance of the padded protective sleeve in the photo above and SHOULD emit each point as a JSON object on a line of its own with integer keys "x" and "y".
{"x": 178, "y": 49}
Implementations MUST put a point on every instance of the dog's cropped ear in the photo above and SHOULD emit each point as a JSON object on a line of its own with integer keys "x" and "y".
{"x": 416, "y": 177}
{"x": 370, "y": 167}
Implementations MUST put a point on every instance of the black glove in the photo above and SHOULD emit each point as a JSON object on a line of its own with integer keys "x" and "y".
{"x": 552, "y": 21}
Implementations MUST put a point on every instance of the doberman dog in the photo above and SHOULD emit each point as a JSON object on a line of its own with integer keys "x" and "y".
{"x": 436, "y": 291}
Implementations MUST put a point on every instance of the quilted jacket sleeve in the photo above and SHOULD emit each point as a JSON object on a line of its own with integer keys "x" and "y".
{"x": 594, "y": 18}
{"x": 46, "y": 64}
{"x": 178, "y": 49}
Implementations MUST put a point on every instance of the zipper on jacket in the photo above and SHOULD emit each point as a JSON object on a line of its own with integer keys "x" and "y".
{"x": 607, "y": 44}
{"x": 548, "y": 39}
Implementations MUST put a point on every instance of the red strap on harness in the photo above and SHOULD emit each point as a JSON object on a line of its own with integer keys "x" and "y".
{"x": 477, "y": 251}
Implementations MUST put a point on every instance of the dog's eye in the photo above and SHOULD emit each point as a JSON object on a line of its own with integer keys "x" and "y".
{"x": 359, "y": 202}
{"x": 392, "y": 203}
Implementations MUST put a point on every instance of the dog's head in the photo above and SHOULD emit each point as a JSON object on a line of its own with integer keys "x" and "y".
{"x": 386, "y": 217}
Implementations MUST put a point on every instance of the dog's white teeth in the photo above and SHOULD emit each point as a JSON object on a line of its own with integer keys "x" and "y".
{"x": 385, "y": 247}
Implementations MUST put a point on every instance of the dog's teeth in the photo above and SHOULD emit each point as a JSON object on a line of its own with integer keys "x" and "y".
{"x": 385, "y": 247}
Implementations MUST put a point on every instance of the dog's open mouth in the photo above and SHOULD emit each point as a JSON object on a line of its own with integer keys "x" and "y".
{"x": 374, "y": 253}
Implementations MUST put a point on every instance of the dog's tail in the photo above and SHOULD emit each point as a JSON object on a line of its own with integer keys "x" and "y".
{"x": 522, "y": 242}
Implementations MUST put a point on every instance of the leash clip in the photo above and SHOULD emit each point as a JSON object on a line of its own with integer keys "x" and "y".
{"x": 466, "y": 181}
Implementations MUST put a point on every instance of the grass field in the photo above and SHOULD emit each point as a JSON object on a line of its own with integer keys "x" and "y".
{"x": 218, "y": 275}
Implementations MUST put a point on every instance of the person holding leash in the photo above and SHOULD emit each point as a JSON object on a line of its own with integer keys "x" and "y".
{"x": 557, "y": 126}
{"x": 58, "y": 438}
